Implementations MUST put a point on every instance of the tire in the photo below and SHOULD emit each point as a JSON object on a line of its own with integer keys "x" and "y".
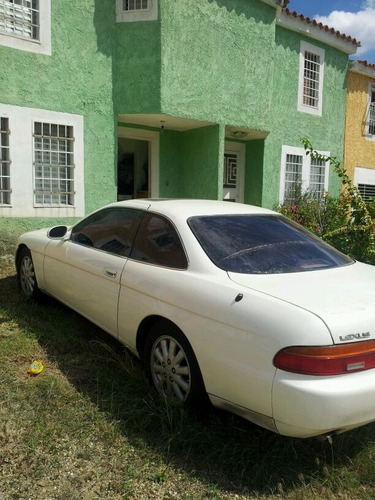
{"x": 172, "y": 367}
{"x": 26, "y": 277}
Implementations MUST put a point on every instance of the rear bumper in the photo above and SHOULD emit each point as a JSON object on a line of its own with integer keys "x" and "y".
{"x": 307, "y": 406}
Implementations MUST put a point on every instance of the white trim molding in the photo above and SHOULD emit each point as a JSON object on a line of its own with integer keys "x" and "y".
{"x": 304, "y": 162}
{"x": 21, "y": 146}
{"x": 370, "y": 112}
{"x": 306, "y": 82}
{"x": 131, "y": 16}
{"x": 40, "y": 46}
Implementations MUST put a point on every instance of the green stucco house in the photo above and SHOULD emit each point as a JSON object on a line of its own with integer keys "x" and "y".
{"x": 103, "y": 100}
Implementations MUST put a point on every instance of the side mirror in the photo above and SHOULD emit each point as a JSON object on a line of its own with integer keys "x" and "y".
{"x": 57, "y": 232}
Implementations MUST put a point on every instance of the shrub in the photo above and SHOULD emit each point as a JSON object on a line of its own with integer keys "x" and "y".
{"x": 345, "y": 222}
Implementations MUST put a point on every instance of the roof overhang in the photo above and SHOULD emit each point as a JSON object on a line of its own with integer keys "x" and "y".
{"x": 316, "y": 31}
{"x": 362, "y": 68}
{"x": 274, "y": 3}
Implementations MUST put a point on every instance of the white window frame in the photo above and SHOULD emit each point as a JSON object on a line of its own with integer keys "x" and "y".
{"x": 21, "y": 144}
{"x": 363, "y": 175}
{"x": 40, "y": 46}
{"x": 306, "y": 169}
{"x": 370, "y": 109}
{"x": 54, "y": 150}
{"x": 307, "y": 47}
{"x": 124, "y": 16}
{"x": 5, "y": 192}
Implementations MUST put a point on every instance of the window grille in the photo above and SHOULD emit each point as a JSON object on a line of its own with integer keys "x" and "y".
{"x": 311, "y": 79}
{"x": 53, "y": 164}
{"x": 230, "y": 170}
{"x": 367, "y": 191}
{"x": 20, "y": 18}
{"x": 317, "y": 177}
{"x": 371, "y": 112}
{"x": 135, "y": 5}
{"x": 5, "y": 190}
{"x": 293, "y": 175}
{"x": 371, "y": 119}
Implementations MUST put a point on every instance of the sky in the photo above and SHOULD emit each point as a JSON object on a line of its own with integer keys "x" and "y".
{"x": 352, "y": 17}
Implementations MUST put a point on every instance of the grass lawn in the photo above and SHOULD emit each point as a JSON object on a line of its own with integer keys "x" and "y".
{"x": 90, "y": 426}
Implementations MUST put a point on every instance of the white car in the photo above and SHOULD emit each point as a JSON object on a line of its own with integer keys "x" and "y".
{"x": 221, "y": 299}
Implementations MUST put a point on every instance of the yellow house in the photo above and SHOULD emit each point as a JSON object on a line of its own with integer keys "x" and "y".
{"x": 359, "y": 152}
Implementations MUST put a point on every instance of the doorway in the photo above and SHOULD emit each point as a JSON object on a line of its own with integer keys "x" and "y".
{"x": 132, "y": 169}
{"x": 234, "y": 172}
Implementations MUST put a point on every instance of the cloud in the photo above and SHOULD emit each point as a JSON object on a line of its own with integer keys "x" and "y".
{"x": 359, "y": 25}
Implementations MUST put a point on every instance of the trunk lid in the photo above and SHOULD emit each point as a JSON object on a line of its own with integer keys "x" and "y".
{"x": 343, "y": 297}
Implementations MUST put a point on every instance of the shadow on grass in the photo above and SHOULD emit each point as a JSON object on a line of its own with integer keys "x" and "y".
{"x": 215, "y": 447}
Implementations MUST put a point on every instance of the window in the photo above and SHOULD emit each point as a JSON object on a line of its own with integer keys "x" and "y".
{"x": 311, "y": 73}
{"x": 4, "y": 162}
{"x": 53, "y": 164}
{"x": 262, "y": 244}
{"x": 132, "y": 5}
{"x": 157, "y": 242}
{"x": 26, "y": 25}
{"x": 111, "y": 230}
{"x": 20, "y": 18}
{"x": 367, "y": 191}
{"x": 371, "y": 112}
{"x": 42, "y": 163}
{"x": 136, "y": 10}
{"x": 300, "y": 172}
{"x": 364, "y": 179}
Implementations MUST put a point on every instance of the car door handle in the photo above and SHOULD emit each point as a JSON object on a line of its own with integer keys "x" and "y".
{"x": 111, "y": 273}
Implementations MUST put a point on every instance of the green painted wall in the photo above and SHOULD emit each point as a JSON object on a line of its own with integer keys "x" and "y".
{"x": 137, "y": 67}
{"x": 77, "y": 78}
{"x": 289, "y": 125}
{"x": 191, "y": 163}
{"x": 171, "y": 164}
{"x": 254, "y": 172}
{"x": 217, "y": 60}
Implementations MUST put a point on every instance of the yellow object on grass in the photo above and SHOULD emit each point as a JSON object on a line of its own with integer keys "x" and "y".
{"x": 35, "y": 367}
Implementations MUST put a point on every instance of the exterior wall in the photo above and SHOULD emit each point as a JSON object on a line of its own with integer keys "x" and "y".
{"x": 289, "y": 125}
{"x": 137, "y": 64}
{"x": 217, "y": 60}
{"x": 359, "y": 151}
{"x": 77, "y": 79}
{"x": 191, "y": 163}
{"x": 254, "y": 172}
{"x": 223, "y": 62}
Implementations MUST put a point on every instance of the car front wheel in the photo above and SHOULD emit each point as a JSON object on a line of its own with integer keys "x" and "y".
{"x": 26, "y": 275}
{"x": 172, "y": 365}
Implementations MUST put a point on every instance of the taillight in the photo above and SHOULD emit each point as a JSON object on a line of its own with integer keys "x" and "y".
{"x": 332, "y": 360}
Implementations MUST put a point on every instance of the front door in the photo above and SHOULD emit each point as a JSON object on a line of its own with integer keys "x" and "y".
{"x": 233, "y": 172}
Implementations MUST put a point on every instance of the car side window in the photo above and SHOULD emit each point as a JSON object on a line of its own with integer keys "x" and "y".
{"x": 157, "y": 242}
{"x": 111, "y": 230}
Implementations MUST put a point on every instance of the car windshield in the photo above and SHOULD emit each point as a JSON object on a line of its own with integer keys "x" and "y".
{"x": 263, "y": 244}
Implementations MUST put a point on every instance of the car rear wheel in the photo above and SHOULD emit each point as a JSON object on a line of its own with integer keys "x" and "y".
{"x": 172, "y": 366}
{"x": 26, "y": 275}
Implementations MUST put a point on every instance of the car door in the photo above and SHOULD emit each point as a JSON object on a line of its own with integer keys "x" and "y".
{"x": 84, "y": 272}
{"x": 157, "y": 261}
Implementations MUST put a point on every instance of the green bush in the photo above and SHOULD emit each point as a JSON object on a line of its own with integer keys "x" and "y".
{"x": 346, "y": 222}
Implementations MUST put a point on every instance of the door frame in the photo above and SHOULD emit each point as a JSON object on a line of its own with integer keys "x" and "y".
{"x": 240, "y": 149}
{"x": 152, "y": 138}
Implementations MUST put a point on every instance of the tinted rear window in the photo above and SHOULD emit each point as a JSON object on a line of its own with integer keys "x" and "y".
{"x": 262, "y": 244}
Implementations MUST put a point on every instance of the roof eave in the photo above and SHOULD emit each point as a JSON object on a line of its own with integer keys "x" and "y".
{"x": 317, "y": 32}
{"x": 363, "y": 68}
{"x": 278, "y": 4}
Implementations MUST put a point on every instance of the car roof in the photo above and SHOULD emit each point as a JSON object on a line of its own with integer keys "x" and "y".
{"x": 185, "y": 208}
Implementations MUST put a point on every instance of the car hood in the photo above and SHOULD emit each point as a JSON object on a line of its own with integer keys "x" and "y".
{"x": 344, "y": 297}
